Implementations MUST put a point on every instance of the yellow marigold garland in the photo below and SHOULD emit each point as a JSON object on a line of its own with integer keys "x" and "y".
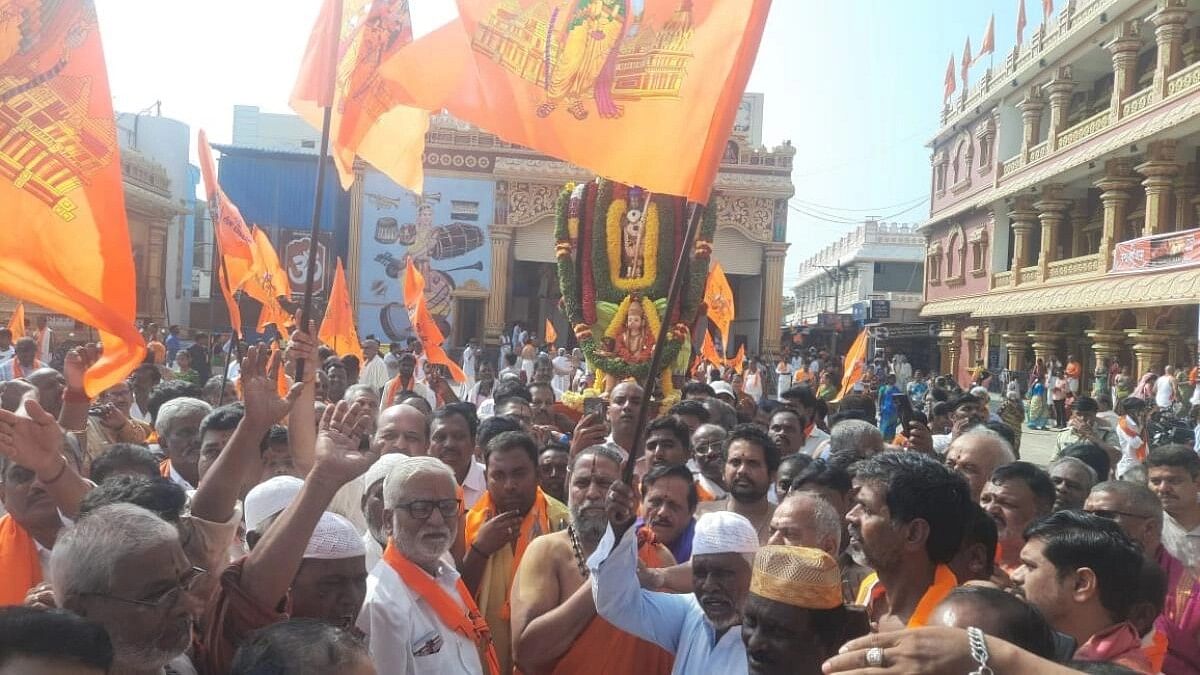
{"x": 616, "y": 213}
{"x": 618, "y": 320}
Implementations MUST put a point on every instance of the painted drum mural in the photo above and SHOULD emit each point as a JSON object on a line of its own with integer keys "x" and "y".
{"x": 444, "y": 230}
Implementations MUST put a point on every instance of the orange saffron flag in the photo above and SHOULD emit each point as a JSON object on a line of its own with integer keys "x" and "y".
{"x": 231, "y": 303}
{"x": 337, "y": 328}
{"x": 65, "y": 243}
{"x": 340, "y": 68}
{"x": 737, "y": 361}
{"x": 708, "y": 350}
{"x": 718, "y": 297}
{"x": 234, "y": 239}
{"x": 16, "y": 324}
{"x": 855, "y": 362}
{"x": 597, "y": 84}
{"x": 423, "y": 324}
{"x": 551, "y": 334}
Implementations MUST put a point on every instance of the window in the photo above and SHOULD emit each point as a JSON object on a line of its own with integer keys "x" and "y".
{"x": 956, "y": 256}
{"x": 979, "y": 252}
{"x": 933, "y": 264}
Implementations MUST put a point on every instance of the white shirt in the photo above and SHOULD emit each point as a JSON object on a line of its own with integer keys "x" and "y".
{"x": 814, "y": 440}
{"x": 374, "y": 550}
{"x": 6, "y": 354}
{"x": 1129, "y": 445}
{"x": 180, "y": 480}
{"x": 474, "y": 485}
{"x": 406, "y": 636}
{"x": 674, "y": 622}
{"x": 1164, "y": 391}
{"x": 1182, "y": 544}
{"x": 374, "y": 373}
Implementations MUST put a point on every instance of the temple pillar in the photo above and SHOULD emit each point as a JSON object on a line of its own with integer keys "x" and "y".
{"x": 1079, "y": 220}
{"x": 1170, "y": 23}
{"x": 948, "y": 347}
{"x": 774, "y": 256}
{"x": 1031, "y": 117}
{"x": 1045, "y": 344}
{"x": 1058, "y": 91}
{"x": 1052, "y": 212}
{"x": 1159, "y": 171}
{"x": 1015, "y": 345}
{"x": 1149, "y": 349}
{"x": 1124, "y": 49}
{"x": 1185, "y": 192}
{"x": 1106, "y": 344}
{"x": 1116, "y": 185}
{"x": 1023, "y": 217}
{"x": 502, "y": 237}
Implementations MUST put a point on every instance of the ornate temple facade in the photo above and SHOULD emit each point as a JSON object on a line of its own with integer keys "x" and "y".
{"x": 484, "y": 232}
{"x": 1066, "y": 196}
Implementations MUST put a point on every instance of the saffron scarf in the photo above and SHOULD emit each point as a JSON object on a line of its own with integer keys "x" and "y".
{"x": 535, "y": 524}
{"x": 1140, "y": 451}
{"x": 395, "y": 386}
{"x": 19, "y": 372}
{"x": 470, "y": 625}
{"x": 164, "y": 468}
{"x": 20, "y": 569}
{"x": 944, "y": 581}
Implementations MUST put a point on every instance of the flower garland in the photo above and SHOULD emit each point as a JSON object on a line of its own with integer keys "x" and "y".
{"x": 616, "y": 214}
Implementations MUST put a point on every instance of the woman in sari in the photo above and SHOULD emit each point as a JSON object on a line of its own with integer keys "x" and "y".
{"x": 1145, "y": 387}
{"x": 1100, "y": 378}
{"x": 828, "y": 390}
{"x": 1039, "y": 414}
{"x": 1012, "y": 413}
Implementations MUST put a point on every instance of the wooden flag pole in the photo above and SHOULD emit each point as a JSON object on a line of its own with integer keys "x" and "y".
{"x": 310, "y": 273}
{"x": 233, "y": 340}
{"x": 673, "y": 293}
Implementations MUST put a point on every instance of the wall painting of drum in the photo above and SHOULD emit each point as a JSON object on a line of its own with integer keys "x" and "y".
{"x": 444, "y": 230}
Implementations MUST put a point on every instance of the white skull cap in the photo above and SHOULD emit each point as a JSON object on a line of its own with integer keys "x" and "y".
{"x": 724, "y": 532}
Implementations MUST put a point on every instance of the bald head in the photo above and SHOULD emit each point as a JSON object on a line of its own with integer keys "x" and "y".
{"x": 1133, "y": 506}
{"x": 855, "y": 438}
{"x": 50, "y": 385}
{"x": 976, "y": 454}
{"x": 807, "y": 519}
{"x": 402, "y": 428}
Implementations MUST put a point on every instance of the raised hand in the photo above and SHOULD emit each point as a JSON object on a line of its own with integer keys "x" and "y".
{"x": 32, "y": 439}
{"x": 303, "y": 346}
{"x": 621, "y": 504}
{"x": 260, "y": 373}
{"x": 340, "y": 455}
{"x": 76, "y": 364}
{"x": 499, "y": 530}
{"x": 590, "y": 431}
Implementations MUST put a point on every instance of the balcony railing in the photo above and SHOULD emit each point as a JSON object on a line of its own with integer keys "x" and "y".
{"x": 1137, "y": 102}
{"x": 1011, "y": 165}
{"x": 1002, "y": 279}
{"x": 1039, "y": 151}
{"x": 1029, "y": 275}
{"x": 1089, "y": 127}
{"x": 1186, "y": 79}
{"x": 1073, "y": 266}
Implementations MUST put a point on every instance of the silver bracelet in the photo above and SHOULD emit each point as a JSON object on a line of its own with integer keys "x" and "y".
{"x": 979, "y": 652}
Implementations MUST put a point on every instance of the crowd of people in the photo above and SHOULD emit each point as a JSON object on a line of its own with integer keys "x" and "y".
{"x": 303, "y": 512}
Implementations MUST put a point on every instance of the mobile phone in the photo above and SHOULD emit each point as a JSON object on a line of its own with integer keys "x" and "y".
{"x": 904, "y": 409}
{"x": 594, "y": 405}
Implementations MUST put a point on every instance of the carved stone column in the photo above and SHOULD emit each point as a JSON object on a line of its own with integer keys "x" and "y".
{"x": 948, "y": 344}
{"x": 1023, "y": 217}
{"x": 1159, "y": 170}
{"x": 1052, "y": 212}
{"x": 1078, "y": 228}
{"x": 1149, "y": 348}
{"x": 1045, "y": 344}
{"x": 1124, "y": 49}
{"x": 1106, "y": 344}
{"x": 1031, "y": 117}
{"x": 1015, "y": 345}
{"x": 1116, "y": 185}
{"x": 774, "y": 256}
{"x": 502, "y": 237}
{"x": 1169, "y": 22}
{"x": 1185, "y": 192}
{"x": 1058, "y": 91}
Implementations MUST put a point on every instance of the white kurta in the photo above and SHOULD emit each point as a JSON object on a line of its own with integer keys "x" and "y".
{"x": 405, "y": 635}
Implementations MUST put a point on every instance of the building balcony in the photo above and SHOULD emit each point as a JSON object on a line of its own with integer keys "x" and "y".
{"x": 1073, "y": 267}
{"x": 1030, "y": 275}
{"x": 1001, "y": 279}
{"x": 1091, "y": 126}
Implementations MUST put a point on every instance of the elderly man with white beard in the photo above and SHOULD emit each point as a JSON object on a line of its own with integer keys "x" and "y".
{"x": 418, "y": 614}
{"x": 554, "y": 622}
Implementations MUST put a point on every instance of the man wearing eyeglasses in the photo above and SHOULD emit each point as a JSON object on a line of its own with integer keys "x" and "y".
{"x": 1136, "y": 509}
{"x": 418, "y": 614}
{"x": 708, "y": 461}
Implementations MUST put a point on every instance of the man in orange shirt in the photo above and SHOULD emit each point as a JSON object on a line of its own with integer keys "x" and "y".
{"x": 1073, "y": 372}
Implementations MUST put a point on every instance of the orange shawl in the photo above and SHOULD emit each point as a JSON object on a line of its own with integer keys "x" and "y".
{"x": 944, "y": 581}
{"x": 1140, "y": 451}
{"x": 21, "y": 568}
{"x": 470, "y": 625}
{"x": 164, "y": 468}
{"x": 19, "y": 372}
{"x": 603, "y": 648}
{"x": 536, "y": 523}
{"x": 394, "y": 387}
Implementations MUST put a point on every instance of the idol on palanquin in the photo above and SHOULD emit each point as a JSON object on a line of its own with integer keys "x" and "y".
{"x": 616, "y": 247}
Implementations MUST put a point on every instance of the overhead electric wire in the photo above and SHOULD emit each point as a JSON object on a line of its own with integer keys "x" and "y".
{"x": 842, "y": 220}
{"x": 814, "y": 205}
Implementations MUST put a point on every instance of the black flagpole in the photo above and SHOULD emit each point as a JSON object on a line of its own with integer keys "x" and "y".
{"x": 689, "y": 237}
{"x": 310, "y": 273}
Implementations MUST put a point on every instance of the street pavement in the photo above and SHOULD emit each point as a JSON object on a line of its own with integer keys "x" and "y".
{"x": 1038, "y": 446}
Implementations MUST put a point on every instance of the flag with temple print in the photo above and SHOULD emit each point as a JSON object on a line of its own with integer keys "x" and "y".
{"x": 718, "y": 298}
{"x": 337, "y": 328}
{"x": 16, "y": 323}
{"x": 423, "y": 324}
{"x": 349, "y": 42}
{"x": 64, "y": 241}
{"x": 603, "y": 84}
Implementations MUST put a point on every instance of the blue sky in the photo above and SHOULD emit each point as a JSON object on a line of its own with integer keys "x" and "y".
{"x": 855, "y": 85}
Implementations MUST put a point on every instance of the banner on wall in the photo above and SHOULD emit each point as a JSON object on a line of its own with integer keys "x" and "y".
{"x": 1158, "y": 252}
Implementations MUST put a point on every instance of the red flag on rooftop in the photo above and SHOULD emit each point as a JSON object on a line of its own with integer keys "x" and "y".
{"x": 966, "y": 62}
{"x": 949, "y": 80}
{"x": 1020, "y": 21}
{"x": 65, "y": 243}
{"x": 599, "y": 85}
{"x": 1047, "y": 10}
{"x": 989, "y": 38}
{"x": 350, "y": 41}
